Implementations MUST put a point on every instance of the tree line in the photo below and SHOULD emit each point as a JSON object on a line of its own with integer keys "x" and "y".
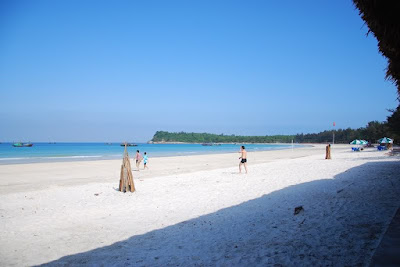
{"x": 162, "y": 136}
{"x": 373, "y": 131}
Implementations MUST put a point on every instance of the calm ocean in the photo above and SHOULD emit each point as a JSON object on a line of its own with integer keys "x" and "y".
{"x": 45, "y": 152}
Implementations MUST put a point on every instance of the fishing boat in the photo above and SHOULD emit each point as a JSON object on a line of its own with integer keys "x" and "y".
{"x": 22, "y": 144}
{"x": 128, "y": 144}
{"x": 206, "y": 144}
{"x": 210, "y": 144}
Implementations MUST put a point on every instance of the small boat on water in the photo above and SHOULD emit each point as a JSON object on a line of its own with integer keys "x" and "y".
{"x": 22, "y": 144}
{"x": 128, "y": 144}
{"x": 206, "y": 144}
{"x": 210, "y": 144}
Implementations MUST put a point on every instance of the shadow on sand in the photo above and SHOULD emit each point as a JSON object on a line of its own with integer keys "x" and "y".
{"x": 341, "y": 224}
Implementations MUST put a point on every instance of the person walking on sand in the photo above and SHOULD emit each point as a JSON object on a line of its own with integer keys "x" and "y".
{"x": 145, "y": 159}
{"x": 243, "y": 159}
{"x": 138, "y": 158}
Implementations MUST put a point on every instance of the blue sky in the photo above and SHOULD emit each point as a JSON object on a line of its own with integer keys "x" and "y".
{"x": 121, "y": 70}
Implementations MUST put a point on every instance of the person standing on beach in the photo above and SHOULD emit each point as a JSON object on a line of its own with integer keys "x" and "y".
{"x": 243, "y": 159}
{"x": 145, "y": 159}
{"x": 138, "y": 158}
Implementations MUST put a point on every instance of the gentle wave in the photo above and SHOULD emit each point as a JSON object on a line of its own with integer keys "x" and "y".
{"x": 12, "y": 158}
{"x": 61, "y": 157}
{"x": 72, "y": 157}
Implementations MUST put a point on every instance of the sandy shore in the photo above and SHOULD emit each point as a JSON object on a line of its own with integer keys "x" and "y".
{"x": 38, "y": 176}
{"x": 197, "y": 210}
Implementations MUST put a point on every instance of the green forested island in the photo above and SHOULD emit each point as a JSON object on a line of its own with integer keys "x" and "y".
{"x": 162, "y": 136}
{"x": 372, "y": 132}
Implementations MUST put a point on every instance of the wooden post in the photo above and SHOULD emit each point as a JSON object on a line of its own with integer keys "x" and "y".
{"x": 126, "y": 178}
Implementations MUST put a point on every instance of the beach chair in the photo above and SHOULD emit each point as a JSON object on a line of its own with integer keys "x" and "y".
{"x": 380, "y": 148}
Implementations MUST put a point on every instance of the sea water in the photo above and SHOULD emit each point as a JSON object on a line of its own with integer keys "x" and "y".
{"x": 46, "y": 152}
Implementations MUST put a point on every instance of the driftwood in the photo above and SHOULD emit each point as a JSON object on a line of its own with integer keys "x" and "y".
{"x": 126, "y": 177}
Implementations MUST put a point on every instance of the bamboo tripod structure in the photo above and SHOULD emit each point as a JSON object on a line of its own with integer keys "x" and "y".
{"x": 328, "y": 152}
{"x": 126, "y": 178}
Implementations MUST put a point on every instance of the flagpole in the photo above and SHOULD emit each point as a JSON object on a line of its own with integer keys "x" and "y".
{"x": 333, "y": 133}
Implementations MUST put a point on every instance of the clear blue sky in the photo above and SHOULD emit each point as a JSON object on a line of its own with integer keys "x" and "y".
{"x": 120, "y": 70}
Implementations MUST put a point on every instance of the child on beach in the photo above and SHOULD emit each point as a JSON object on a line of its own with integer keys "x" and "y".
{"x": 138, "y": 158}
{"x": 145, "y": 159}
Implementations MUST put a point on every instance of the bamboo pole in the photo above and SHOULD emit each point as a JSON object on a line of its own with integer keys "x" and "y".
{"x": 126, "y": 178}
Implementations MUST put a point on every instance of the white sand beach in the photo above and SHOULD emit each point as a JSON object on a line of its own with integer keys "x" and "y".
{"x": 197, "y": 210}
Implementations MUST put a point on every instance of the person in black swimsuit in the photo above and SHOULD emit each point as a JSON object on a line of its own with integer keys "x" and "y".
{"x": 243, "y": 159}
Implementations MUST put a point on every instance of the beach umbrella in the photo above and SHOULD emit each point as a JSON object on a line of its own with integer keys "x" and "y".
{"x": 385, "y": 140}
{"x": 364, "y": 142}
{"x": 356, "y": 142}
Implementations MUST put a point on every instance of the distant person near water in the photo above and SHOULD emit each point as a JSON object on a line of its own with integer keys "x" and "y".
{"x": 145, "y": 159}
{"x": 328, "y": 152}
{"x": 138, "y": 158}
{"x": 243, "y": 159}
